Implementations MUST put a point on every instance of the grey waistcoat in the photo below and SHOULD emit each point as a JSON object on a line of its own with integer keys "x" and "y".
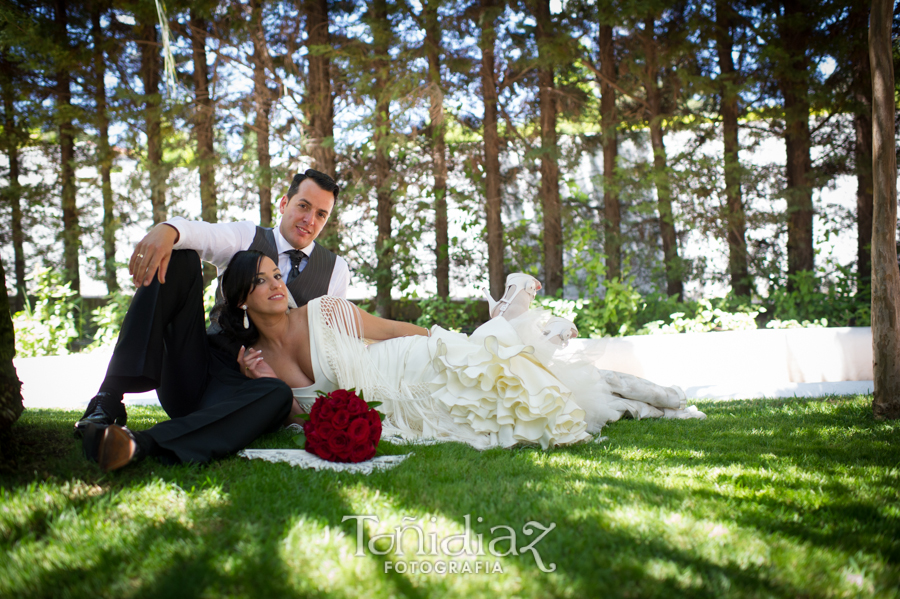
{"x": 312, "y": 282}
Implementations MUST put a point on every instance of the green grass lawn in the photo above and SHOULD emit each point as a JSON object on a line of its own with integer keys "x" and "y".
{"x": 780, "y": 498}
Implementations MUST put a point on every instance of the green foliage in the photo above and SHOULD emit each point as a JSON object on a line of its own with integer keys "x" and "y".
{"x": 453, "y": 315}
{"x": 108, "y": 319}
{"x": 623, "y": 311}
{"x": 840, "y": 304}
{"x": 49, "y": 327}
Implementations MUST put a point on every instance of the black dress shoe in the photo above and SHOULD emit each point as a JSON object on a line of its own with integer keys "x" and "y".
{"x": 103, "y": 410}
{"x": 118, "y": 447}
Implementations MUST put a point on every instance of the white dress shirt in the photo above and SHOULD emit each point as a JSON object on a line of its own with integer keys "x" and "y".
{"x": 218, "y": 242}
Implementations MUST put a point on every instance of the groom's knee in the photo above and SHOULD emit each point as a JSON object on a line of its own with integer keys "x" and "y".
{"x": 275, "y": 400}
{"x": 184, "y": 264}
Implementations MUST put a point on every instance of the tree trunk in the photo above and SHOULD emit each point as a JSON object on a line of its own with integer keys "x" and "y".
{"x": 885, "y": 275}
{"x": 150, "y": 67}
{"x": 13, "y": 192}
{"x": 674, "y": 274}
{"x": 71, "y": 234}
{"x": 793, "y": 79}
{"x": 493, "y": 204}
{"x": 553, "y": 258}
{"x": 10, "y": 385}
{"x": 735, "y": 220}
{"x": 104, "y": 154}
{"x": 612, "y": 217}
{"x": 262, "y": 100}
{"x": 381, "y": 34}
{"x": 319, "y": 107}
{"x": 438, "y": 148}
{"x": 204, "y": 121}
{"x": 862, "y": 91}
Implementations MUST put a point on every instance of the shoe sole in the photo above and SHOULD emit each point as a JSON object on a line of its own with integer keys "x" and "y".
{"x": 117, "y": 449}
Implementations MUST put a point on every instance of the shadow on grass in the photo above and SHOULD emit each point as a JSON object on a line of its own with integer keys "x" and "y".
{"x": 647, "y": 469}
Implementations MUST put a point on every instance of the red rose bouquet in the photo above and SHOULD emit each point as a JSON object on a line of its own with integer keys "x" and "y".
{"x": 342, "y": 427}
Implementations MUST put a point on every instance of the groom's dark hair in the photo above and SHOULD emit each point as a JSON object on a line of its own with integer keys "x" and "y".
{"x": 324, "y": 182}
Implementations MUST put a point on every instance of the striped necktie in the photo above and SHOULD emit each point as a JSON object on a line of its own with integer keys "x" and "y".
{"x": 297, "y": 258}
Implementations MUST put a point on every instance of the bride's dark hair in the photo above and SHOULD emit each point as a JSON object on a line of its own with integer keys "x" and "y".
{"x": 237, "y": 284}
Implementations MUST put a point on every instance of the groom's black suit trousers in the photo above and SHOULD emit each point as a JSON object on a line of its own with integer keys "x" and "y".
{"x": 214, "y": 409}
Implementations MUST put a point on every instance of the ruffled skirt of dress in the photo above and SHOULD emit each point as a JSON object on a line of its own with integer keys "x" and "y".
{"x": 499, "y": 387}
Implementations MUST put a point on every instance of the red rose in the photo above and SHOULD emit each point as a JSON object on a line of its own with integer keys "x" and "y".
{"x": 357, "y": 407}
{"x": 359, "y": 431}
{"x": 362, "y": 452}
{"x": 341, "y": 419}
{"x": 324, "y": 453}
{"x": 325, "y": 429}
{"x": 339, "y": 442}
{"x": 339, "y": 399}
{"x": 374, "y": 426}
{"x": 325, "y": 411}
{"x": 340, "y": 394}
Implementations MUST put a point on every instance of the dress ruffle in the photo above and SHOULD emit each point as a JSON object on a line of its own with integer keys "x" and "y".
{"x": 493, "y": 383}
{"x": 499, "y": 387}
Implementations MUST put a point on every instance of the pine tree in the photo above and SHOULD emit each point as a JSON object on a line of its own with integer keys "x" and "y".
{"x": 885, "y": 275}
{"x": 489, "y": 10}
{"x": 437, "y": 128}
{"x": 10, "y": 385}
{"x": 382, "y": 37}
{"x": 104, "y": 152}
{"x": 150, "y": 68}
{"x": 263, "y": 99}
{"x": 71, "y": 233}
{"x": 546, "y": 34}
{"x": 729, "y": 109}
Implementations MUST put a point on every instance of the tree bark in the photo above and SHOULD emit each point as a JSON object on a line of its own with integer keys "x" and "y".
{"x": 320, "y": 103}
{"x": 150, "y": 68}
{"x": 104, "y": 154}
{"x": 735, "y": 219}
{"x": 438, "y": 147}
{"x": 674, "y": 270}
{"x": 862, "y": 92}
{"x": 793, "y": 79}
{"x": 319, "y": 107}
{"x": 263, "y": 97}
{"x": 71, "y": 233}
{"x": 10, "y": 386}
{"x": 381, "y": 34}
{"x": 493, "y": 204}
{"x": 553, "y": 258}
{"x": 204, "y": 120}
{"x": 13, "y": 192}
{"x": 612, "y": 217}
{"x": 885, "y": 275}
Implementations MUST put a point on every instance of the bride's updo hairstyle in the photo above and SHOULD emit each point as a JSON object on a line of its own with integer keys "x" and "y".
{"x": 238, "y": 283}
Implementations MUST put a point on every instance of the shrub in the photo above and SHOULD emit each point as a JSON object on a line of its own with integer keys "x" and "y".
{"x": 50, "y": 326}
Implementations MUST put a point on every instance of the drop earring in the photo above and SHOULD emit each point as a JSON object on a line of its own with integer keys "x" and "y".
{"x": 246, "y": 320}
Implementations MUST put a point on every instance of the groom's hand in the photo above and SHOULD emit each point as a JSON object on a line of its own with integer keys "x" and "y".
{"x": 152, "y": 255}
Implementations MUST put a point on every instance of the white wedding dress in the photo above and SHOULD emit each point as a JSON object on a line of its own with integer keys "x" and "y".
{"x": 500, "y": 386}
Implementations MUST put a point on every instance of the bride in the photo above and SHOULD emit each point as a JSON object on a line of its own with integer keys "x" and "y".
{"x": 501, "y": 386}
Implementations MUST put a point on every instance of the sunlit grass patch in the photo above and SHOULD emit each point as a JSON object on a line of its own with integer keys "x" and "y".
{"x": 765, "y": 498}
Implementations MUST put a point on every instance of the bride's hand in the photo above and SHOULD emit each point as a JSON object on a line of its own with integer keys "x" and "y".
{"x": 253, "y": 365}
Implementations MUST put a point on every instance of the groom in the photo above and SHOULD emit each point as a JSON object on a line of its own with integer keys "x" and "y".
{"x": 163, "y": 345}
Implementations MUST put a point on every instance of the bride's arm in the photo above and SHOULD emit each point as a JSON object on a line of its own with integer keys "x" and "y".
{"x": 379, "y": 329}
